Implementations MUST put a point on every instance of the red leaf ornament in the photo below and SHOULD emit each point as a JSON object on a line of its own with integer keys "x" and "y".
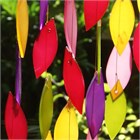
{"x": 15, "y": 121}
{"x": 45, "y": 48}
{"x": 74, "y": 81}
{"x": 93, "y": 11}
{"x": 136, "y": 47}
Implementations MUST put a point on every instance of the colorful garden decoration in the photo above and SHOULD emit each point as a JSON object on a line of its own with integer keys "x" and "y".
{"x": 118, "y": 71}
{"x": 46, "y": 108}
{"x": 72, "y": 74}
{"x": 45, "y": 48}
{"x": 22, "y": 25}
{"x": 94, "y": 11}
{"x": 43, "y": 12}
{"x": 95, "y": 105}
{"x": 117, "y": 109}
{"x": 116, "y": 74}
{"x": 66, "y": 126}
{"x": 122, "y": 13}
{"x": 136, "y": 46}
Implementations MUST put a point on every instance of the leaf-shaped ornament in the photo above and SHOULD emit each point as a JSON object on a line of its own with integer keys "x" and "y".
{"x": 95, "y": 105}
{"x": 45, "y": 48}
{"x": 118, "y": 71}
{"x": 115, "y": 112}
{"x": 94, "y": 11}
{"x": 138, "y": 3}
{"x": 136, "y": 46}
{"x": 15, "y": 121}
{"x": 73, "y": 80}
{"x": 122, "y": 13}
{"x": 66, "y": 127}
{"x": 70, "y": 25}
{"x": 43, "y": 12}
{"x": 46, "y": 108}
{"x": 22, "y": 23}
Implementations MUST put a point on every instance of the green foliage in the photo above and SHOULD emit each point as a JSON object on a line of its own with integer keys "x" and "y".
{"x": 31, "y": 87}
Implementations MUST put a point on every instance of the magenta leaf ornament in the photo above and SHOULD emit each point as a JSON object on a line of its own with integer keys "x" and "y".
{"x": 94, "y": 11}
{"x": 95, "y": 105}
{"x": 136, "y": 47}
{"x": 15, "y": 121}
{"x": 73, "y": 80}
{"x": 43, "y": 12}
{"x": 119, "y": 67}
{"x": 70, "y": 25}
{"x": 45, "y": 48}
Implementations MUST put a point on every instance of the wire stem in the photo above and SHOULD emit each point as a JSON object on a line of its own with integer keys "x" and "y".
{"x": 98, "y": 43}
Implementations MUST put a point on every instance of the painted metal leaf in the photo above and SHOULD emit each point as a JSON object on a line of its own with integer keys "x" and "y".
{"x": 49, "y": 136}
{"x": 15, "y": 121}
{"x": 73, "y": 80}
{"x": 136, "y": 47}
{"x": 115, "y": 112}
{"x": 138, "y": 2}
{"x": 18, "y": 78}
{"x": 66, "y": 127}
{"x": 45, "y": 48}
{"x": 89, "y": 137}
{"x": 122, "y": 13}
{"x": 22, "y": 23}
{"x": 94, "y": 11}
{"x": 118, "y": 70}
{"x": 70, "y": 25}
{"x": 43, "y": 12}
{"x": 46, "y": 108}
{"x": 95, "y": 105}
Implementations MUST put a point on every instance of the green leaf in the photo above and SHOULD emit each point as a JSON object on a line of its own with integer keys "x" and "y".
{"x": 115, "y": 112}
{"x": 137, "y": 123}
{"x": 106, "y": 88}
{"x": 46, "y": 108}
{"x": 121, "y": 137}
{"x": 131, "y": 117}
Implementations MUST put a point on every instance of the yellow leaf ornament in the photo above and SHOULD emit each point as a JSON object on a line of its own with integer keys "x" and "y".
{"x": 46, "y": 108}
{"x": 115, "y": 112}
{"x": 22, "y": 22}
{"x": 121, "y": 23}
{"x": 66, "y": 127}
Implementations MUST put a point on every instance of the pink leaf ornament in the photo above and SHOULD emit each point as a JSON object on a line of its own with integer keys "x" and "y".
{"x": 45, "y": 48}
{"x": 136, "y": 47}
{"x": 73, "y": 80}
{"x": 93, "y": 11}
{"x": 118, "y": 70}
{"x": 95, "y": 105}
{"x": 70, "y": 25}
{"x": 15, "y": 121}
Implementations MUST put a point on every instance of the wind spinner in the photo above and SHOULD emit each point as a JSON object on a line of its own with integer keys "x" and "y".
{"x": 44, "y": 52}
{"x": 119, "y": 66}
{"x": 15, "y": 121}
{"x": 95, "y": 96}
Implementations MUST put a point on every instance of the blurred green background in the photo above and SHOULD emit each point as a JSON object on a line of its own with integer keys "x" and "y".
{"x": 32, "y": 87}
